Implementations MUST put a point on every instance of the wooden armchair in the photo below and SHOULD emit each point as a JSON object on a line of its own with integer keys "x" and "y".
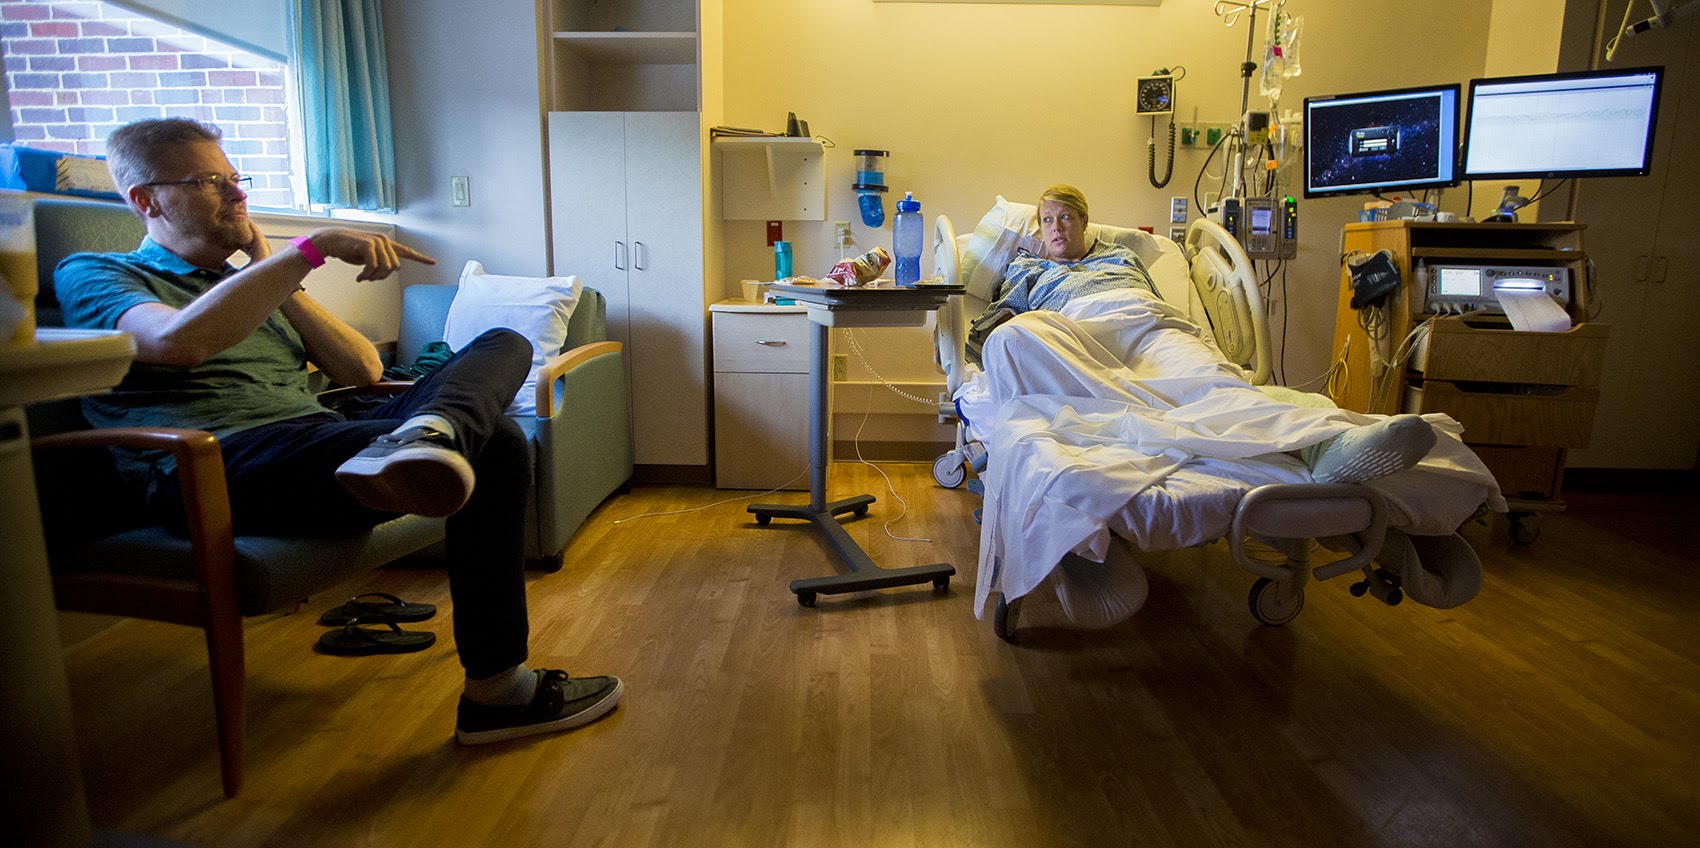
{"x": 107, "y": 558}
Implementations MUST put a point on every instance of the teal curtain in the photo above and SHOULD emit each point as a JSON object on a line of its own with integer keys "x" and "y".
{"x": 337, "y": 53}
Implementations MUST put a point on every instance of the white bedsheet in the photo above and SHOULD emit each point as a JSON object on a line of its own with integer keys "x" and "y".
{"x": 1119, "y": 416}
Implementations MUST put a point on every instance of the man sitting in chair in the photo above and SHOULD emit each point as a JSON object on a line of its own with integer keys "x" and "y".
{"x": 226, "y": 350}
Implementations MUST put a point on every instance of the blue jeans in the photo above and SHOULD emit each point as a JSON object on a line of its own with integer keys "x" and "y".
{"x": 282, "y": 483}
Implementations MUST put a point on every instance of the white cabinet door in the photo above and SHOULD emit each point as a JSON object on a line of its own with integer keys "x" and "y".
{"x": 587, "y": 167}
{"x": 664, "y": 225}
{"x": 626, "y": 208}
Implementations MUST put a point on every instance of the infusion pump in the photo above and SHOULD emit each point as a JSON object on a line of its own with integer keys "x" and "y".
{"x": 1455, "y": 288}
{"x": 1266, "y": 227}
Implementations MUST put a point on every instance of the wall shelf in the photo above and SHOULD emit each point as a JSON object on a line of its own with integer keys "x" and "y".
{"x": 631, "y": 48}
{"x": 765, "y": 178}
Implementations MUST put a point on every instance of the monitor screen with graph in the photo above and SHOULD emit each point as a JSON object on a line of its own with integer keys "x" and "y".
{"x": 1404, "y": 140}
{"x": 1587, "y": 124}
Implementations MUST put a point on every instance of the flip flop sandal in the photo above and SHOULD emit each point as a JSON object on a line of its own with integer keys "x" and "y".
{"x": 387, "y": 607}
{"x": 356, "y": 641}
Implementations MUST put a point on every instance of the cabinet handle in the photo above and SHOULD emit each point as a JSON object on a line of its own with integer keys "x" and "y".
{"x": 771, "y": 342}
{"x": 1661, "y": 267}
{"x": 640, "y": 255}
{"x": 619, "y": 256}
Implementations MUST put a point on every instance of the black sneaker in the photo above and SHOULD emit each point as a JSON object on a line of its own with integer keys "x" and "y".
{"x": 415, "y": 471}
{"x": 560, "y": 704}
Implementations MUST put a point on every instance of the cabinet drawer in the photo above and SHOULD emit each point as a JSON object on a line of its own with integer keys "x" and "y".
{"x": 761, "y": 343}
{"x": 761, "y": 431}
{"x": 1454, "y": 350}
{"x": 1557, "y": 417}
{"x": 1527, "y": 473}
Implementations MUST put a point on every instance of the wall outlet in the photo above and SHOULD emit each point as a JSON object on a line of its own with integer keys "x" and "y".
{"x": 841, "y": 233}
{"x": 840, "y": 367}
{"x": 461, "y": 189}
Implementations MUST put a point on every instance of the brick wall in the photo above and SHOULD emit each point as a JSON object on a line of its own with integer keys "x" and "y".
{"x": 78, "y": 70}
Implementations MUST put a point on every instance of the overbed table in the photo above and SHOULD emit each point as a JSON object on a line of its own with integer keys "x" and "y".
{"x": 829, "y": 306}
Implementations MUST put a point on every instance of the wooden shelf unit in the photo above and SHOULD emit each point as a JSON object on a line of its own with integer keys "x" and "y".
{"x": 1524, "y": 398}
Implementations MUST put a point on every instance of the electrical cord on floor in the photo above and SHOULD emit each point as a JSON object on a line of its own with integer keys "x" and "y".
{"x": 857, "y": 441}
{"x": 780, "y": 487}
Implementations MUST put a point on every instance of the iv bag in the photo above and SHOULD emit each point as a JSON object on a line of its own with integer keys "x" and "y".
{"x": 1290, "y": 47}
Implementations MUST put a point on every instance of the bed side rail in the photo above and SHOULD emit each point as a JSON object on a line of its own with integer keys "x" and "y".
{"x": 1310, "y": 511}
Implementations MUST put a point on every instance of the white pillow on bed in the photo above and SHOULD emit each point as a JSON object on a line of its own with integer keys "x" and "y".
{"x": 535, "y": 307}
{"x": 1008, "y": 227}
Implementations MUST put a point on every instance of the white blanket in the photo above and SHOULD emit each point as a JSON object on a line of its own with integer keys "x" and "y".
{"x": 1119, "y": 409}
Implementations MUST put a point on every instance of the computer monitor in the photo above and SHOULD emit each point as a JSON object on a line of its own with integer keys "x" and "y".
{"x": 1404, "y": 139}
{"x": 1587, "y": 124}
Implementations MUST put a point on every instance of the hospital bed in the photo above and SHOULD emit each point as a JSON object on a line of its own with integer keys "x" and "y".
{"x": 1214, "y": 281}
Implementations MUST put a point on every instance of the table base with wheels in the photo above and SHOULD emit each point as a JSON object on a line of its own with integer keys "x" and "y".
{"x": 864, "y": 574}
{"x": 865, "y": 306}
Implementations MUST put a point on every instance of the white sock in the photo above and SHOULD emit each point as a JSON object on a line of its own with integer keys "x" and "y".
{"x": 512, "y": 688}
{"x": 1372, "y": 451}
{"x": 429, "y": 421}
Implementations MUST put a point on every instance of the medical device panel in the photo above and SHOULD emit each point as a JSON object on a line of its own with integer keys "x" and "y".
{"x": 1450, "y": 287}
{"x": 1262, "y": 235}
{"x": 1403, "y": 139}
{"x": 1589, "y": 124}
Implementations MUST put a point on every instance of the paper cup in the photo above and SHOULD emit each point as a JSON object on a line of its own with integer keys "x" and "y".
{"x": 753, "y": 290}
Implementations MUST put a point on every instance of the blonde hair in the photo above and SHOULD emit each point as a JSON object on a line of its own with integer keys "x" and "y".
{"x": 1068, "y": 196}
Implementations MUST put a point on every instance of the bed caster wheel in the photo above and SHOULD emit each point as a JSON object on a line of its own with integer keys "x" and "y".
{"x": 1395, "y": 596}
{"x": 1275, "y": 603}
{"x": 764, "y": 520}
{"x": 861, "y": 511}
{"x": 806, "y": 599}
{"x": 949, "y": 470}
{"x": 1525, "y": 528}
{"x": 941, "y": 584}
{"x": 1360, "y": 588}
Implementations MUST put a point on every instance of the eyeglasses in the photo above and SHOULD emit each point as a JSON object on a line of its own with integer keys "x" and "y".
{"x": 217, "y": 182}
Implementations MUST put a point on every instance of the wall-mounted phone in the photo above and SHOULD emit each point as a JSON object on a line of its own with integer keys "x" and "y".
{"x": 1155, "y": 95}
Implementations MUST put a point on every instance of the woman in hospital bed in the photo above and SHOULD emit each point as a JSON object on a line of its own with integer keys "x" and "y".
{"x": 1083, "y": 358}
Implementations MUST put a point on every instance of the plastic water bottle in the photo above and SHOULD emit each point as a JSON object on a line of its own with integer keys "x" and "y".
{"x": 907, "y": 234}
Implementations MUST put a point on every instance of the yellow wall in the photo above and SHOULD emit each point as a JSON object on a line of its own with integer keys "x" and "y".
{"x": 1523, "y": 38}
{"x": 976, "y": 100}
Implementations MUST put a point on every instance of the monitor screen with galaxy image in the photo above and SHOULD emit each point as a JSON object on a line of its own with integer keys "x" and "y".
{"x": 1405, "y": 139}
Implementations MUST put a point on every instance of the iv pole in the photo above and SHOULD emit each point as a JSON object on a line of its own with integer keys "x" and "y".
{"x": 1231, "y": 10}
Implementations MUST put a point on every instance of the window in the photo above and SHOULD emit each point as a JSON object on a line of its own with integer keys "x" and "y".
{"x": 76, "y": 70}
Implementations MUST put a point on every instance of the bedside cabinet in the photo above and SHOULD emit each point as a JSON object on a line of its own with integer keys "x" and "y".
{"x": 761, "y": 395}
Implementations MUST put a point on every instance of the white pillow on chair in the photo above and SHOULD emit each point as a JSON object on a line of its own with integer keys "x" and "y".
{"x": 535, "y": 307}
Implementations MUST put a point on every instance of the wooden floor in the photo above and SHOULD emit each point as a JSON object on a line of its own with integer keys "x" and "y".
{"x": 1560, "y": 708}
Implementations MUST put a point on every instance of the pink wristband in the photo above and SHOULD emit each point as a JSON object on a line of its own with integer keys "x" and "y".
{"x": 308, "y": 252}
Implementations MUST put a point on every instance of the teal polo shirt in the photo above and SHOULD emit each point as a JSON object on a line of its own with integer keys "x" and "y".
{"x": 259, "y": 380}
